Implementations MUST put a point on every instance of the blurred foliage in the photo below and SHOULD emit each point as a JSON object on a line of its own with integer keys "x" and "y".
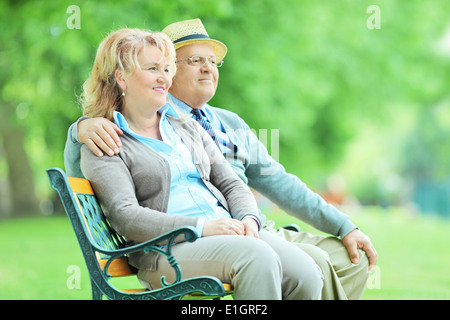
{"x": 370, "y": 105}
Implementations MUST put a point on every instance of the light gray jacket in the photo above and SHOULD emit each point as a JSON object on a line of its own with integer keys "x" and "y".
{"x": 133, "y": 186}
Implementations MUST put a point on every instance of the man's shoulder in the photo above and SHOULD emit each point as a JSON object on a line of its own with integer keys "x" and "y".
{"x": 229, "y": 117}
{"x": 225, "y": 112}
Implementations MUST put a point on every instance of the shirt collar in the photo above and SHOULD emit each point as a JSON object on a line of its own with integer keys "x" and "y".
{"x": 178, "y": 103}
{"x": 119, "y": 119}
{"x": 185, "y": 108}
{"x": 166, "y": 109}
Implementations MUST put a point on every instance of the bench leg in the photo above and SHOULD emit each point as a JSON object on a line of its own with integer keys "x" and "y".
{"x": 96, "y": 293}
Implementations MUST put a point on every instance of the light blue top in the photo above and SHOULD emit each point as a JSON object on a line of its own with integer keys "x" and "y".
{"x": 188, "y": 194}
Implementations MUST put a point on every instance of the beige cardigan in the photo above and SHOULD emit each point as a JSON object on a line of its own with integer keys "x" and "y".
{"x": 133, "y": 186}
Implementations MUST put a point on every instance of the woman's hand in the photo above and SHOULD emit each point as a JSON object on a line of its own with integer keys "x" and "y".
{"x": 251, "y": 227}
{"x": 224, "y": 226}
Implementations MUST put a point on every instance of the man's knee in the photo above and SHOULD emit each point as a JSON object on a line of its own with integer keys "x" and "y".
{"x": 320, "y": 256}
{"x": 363, "y": 259}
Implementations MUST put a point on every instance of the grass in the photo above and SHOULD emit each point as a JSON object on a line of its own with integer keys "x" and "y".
{"x": 35, "y": 256}
{"x": 413, "y": 255}
{"x": 413, "y": 258}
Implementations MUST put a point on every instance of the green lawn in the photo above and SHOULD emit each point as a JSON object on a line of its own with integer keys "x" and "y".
{"x": 413, "y": 263}
{"x": 413, "y": 254}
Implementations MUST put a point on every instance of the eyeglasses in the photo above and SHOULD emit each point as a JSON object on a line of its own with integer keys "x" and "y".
{"x": 200, "y": 61}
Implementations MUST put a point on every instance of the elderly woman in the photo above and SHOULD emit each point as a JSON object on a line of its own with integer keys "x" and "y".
{"x": 169, "y": 173}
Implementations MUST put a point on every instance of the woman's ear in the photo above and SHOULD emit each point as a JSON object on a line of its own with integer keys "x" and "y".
{"x": 120, "y": 79}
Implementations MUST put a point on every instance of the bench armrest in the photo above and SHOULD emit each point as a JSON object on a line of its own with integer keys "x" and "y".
{"x": 155, "y": 246}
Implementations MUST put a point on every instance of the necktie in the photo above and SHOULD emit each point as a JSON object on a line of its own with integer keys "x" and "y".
{"x": 205, "y": 124}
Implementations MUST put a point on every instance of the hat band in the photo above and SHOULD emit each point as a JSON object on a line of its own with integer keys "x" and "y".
{"x": 191, "y": 37}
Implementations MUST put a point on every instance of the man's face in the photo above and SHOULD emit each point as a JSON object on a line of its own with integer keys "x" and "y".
{"x": 195, "y": 85}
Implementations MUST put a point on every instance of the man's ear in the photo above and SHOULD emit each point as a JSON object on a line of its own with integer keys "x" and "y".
{"x": 120, "y": 79}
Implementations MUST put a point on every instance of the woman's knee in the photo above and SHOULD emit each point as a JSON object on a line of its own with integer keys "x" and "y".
{"x": 308, "y": 286}
{"x": 312, "y": 285}
{"x": 303, "y": 279}
{"x": 257, "y": 271}
{"x": 257, "y": 253}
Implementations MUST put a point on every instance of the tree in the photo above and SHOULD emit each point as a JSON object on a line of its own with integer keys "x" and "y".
{"x": 312, "y": 69}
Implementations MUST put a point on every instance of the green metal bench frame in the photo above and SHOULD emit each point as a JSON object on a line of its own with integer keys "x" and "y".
{"x": 96, "y": 237}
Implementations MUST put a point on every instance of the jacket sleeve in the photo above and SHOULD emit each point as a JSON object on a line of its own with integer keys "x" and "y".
{"x": 72, "y": 151}
{"x": 288, "y": 192}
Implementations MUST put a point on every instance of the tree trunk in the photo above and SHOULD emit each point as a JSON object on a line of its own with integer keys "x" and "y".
{"x": 20, "y": 176}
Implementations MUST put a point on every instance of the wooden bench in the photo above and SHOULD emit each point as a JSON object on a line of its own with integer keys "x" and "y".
{"x": 105, "y": 251}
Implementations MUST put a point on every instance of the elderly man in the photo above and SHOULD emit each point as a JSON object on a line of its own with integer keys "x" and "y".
{"x": 344, "y": 262}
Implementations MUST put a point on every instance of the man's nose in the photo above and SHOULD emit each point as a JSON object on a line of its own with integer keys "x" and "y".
{"x": 208, "y": 66}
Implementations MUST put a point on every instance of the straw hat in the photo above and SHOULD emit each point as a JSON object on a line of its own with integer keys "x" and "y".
{"x": 192, "y": 31}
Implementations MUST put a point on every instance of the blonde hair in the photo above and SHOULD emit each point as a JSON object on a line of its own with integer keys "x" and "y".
{"x": 119, "y": 51}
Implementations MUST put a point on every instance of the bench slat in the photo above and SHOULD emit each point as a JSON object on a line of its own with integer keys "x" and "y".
{"x": 80, "y": 185}
{"x": 118, "y": 267}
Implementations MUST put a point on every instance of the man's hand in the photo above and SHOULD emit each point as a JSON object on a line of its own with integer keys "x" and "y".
{"x": 355, "y": 240}
{"x": 100, "y": 133}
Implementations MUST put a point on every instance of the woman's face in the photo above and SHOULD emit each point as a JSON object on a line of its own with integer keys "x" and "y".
{"x": 148, "y": 86}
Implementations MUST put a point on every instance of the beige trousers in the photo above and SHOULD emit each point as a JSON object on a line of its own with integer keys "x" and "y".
{"x": 267, "y": 268}
{"x": 342, "y": 279}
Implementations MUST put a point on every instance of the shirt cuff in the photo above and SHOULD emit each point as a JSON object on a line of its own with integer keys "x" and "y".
{"x": 346, "y": 228}
{"x": 199, "y": 227}
{"x": 74, "y": 129}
